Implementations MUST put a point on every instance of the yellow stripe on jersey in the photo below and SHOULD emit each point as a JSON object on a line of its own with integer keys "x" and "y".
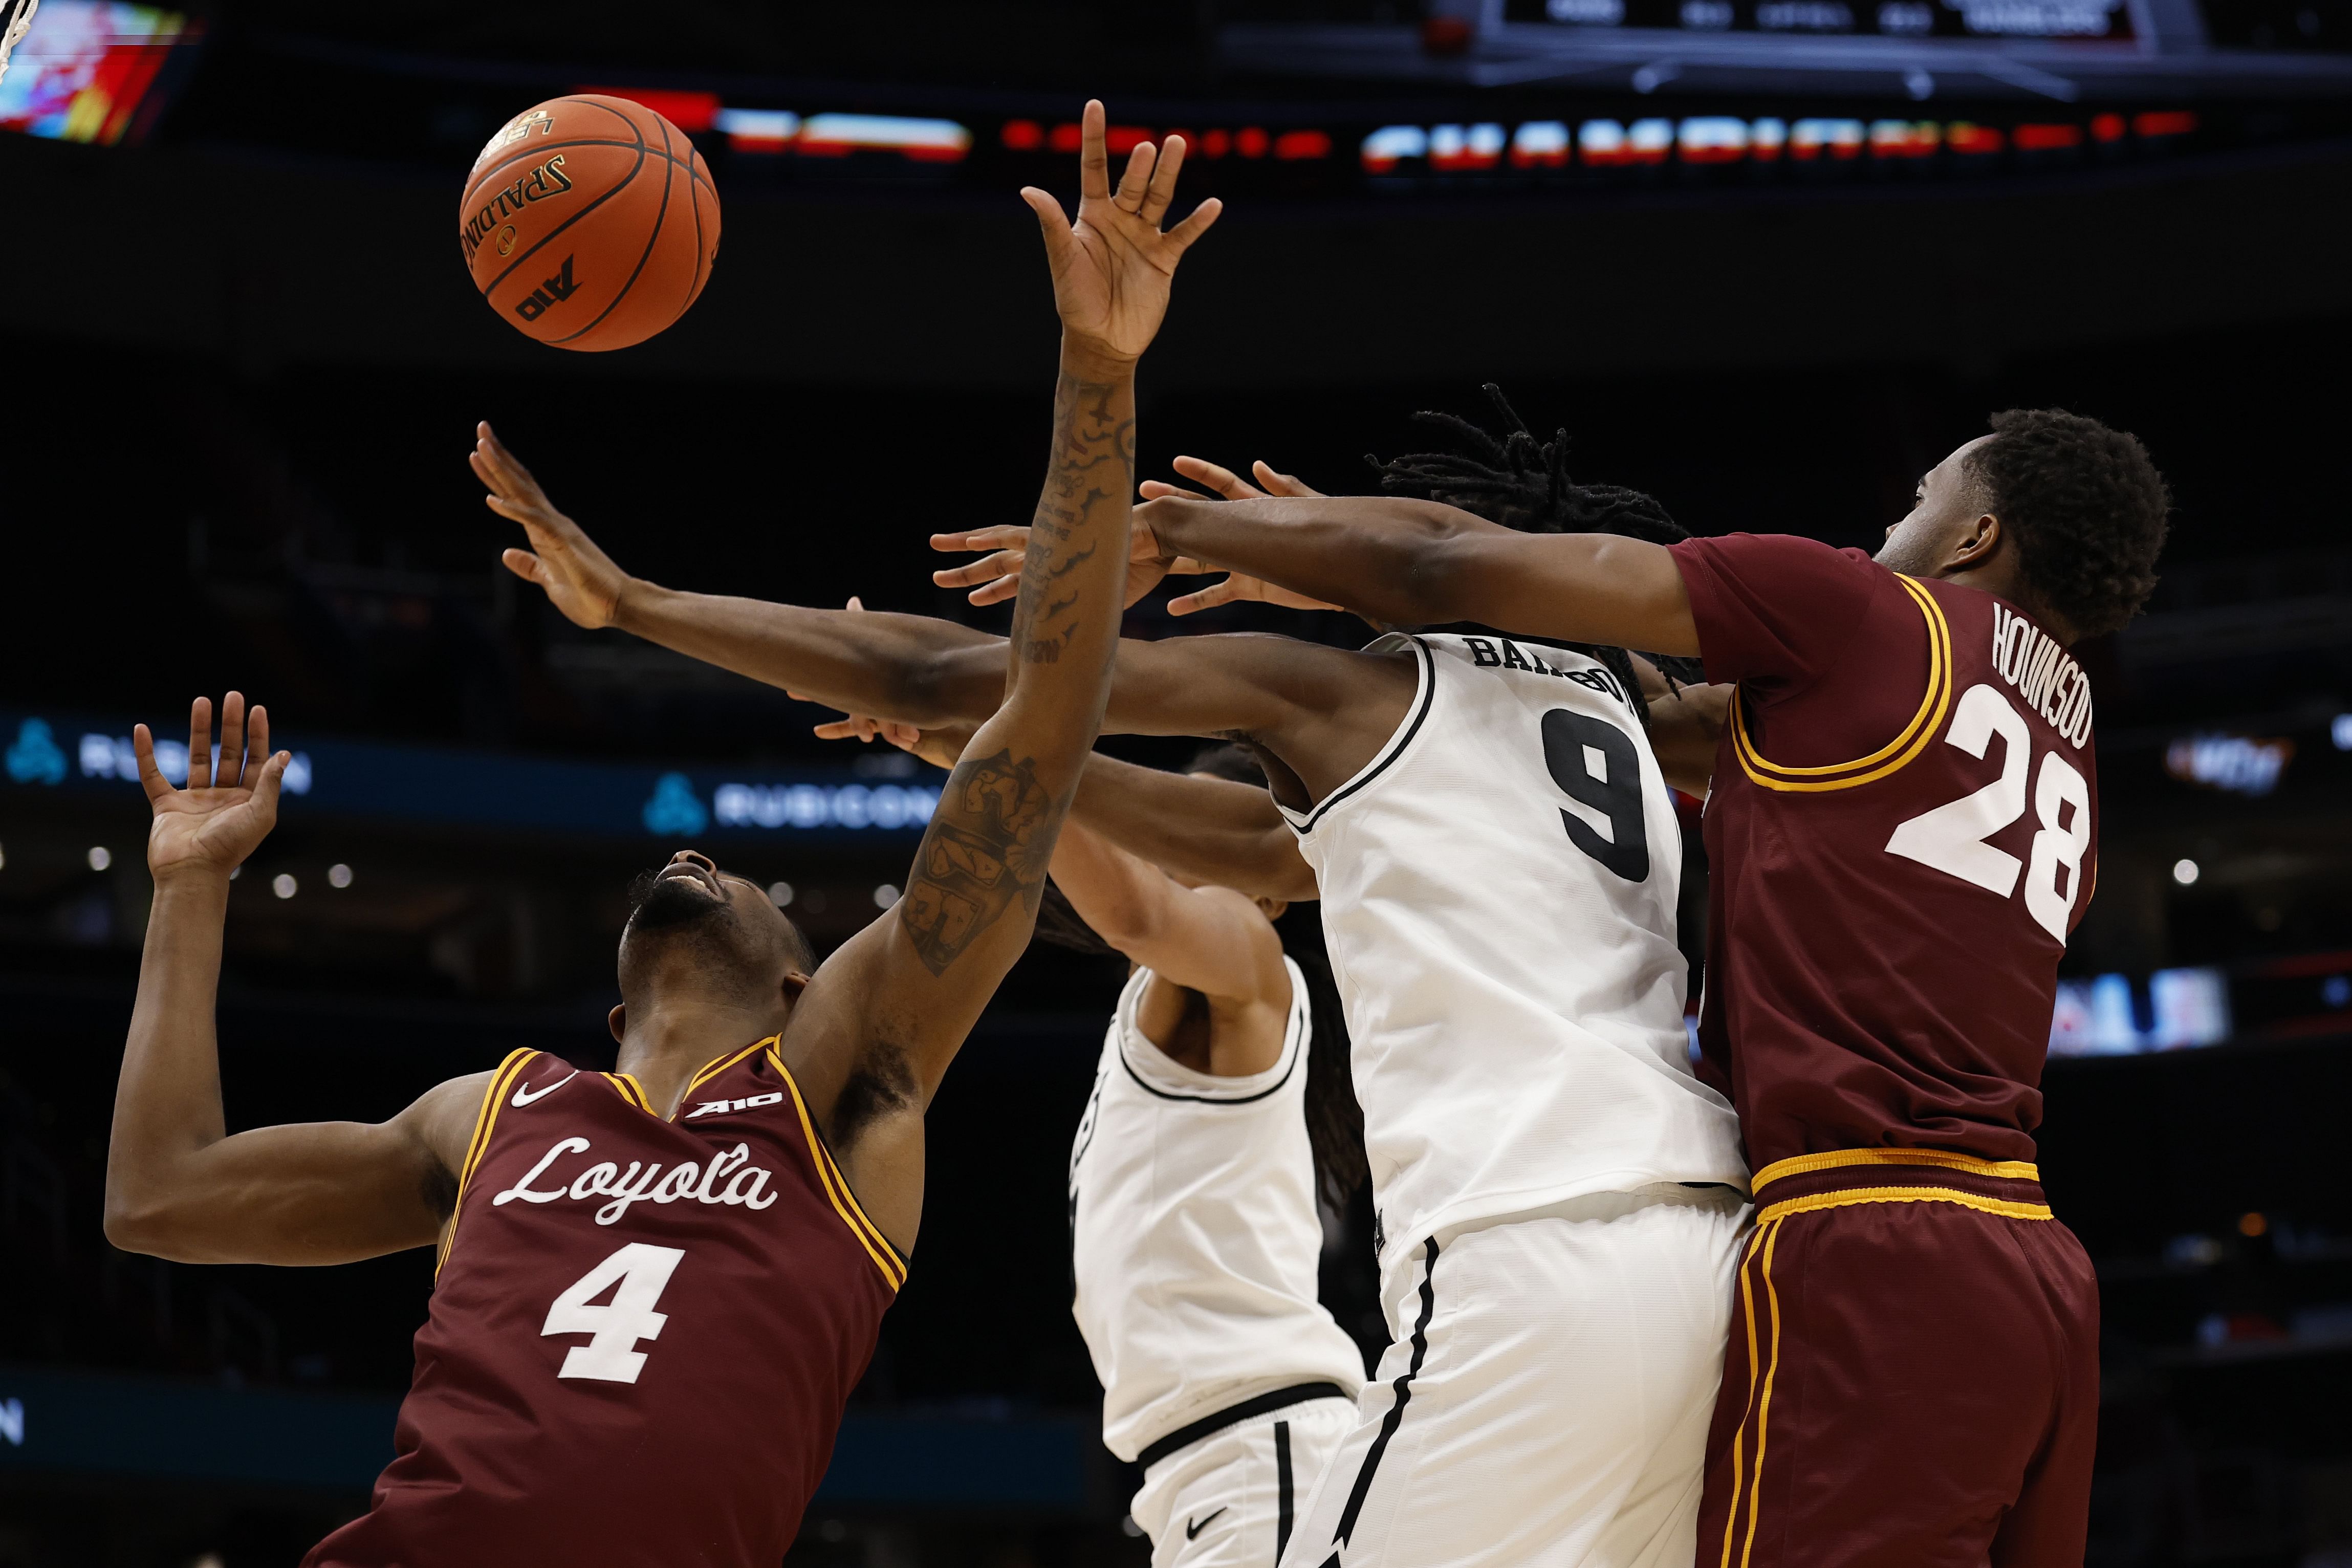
{"x": 630, "y": 1090}
{"x": 485, "y": 1118}
{"x": 1819, "y": 1201}
{"x": 720, "y": 1065}
{"x": 836, "y": 1191}
{"x": 1897, "y": 754}
{"x": 1839, "y": 1158}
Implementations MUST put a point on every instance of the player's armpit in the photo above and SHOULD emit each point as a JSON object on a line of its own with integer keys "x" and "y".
{"x": 1686, "y": 726}
{"x": 300, "y": 1194}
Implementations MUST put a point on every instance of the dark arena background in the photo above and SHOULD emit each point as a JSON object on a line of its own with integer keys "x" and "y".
{"x": 1768, "y": 259}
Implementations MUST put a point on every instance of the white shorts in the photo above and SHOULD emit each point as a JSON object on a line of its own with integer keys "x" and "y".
{"x": 1545, "y": 1404}
{"x": 1231, "y": 1499}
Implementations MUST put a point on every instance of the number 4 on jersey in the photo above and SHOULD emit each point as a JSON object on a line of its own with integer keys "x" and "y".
{"x": 1951, "y": 838}
{"x": 637, "y": 1275}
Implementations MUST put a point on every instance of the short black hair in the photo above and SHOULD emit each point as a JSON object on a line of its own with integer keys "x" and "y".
{"x": 2087, "y": 508}
{"x": 1523, "y": 484}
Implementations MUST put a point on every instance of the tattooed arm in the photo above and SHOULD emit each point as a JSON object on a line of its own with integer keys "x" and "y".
{"x": 877, "y": 1026}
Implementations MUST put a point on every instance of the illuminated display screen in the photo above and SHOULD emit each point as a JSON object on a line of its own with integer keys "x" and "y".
{"x": 87, "y": 70}
{"x": 420, "y": 784}
{"x": 2107, "y": 1016}
{"x": 1885, "y": 18}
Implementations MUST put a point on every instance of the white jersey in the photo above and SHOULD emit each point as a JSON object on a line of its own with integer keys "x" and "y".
{"x": 1196, "y": 1236}
{"x": 1498, "y": 892}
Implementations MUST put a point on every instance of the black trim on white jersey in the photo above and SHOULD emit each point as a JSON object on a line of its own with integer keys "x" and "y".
{"x": 1281, "y": 1487}
{"x": 1184, "y": 1436}
{"x": 1297, "y": 1051}
{"x": 1395, "y": 1417}
{"x": 1395, "y": 748}
{"x": 1295, "y": 1032}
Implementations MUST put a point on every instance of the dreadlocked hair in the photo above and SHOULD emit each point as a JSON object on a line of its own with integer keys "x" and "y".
{"x": 1522, "y": 484}
{"x": 1334, "y": 1122}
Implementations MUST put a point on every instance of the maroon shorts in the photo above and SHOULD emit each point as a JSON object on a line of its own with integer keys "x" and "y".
{"x": 1913, "y": 1378}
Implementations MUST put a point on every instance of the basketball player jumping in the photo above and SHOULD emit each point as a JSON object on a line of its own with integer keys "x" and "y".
{"x": 1560, "y": 1202}
{"x": 1903, "y": 833}
{"x": 754, "y": 1169}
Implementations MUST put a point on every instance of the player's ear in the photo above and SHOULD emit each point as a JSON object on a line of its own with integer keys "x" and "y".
{"x": 618, "y": 1020}
{"x": 795, "y": 983}
{"x": 1977, "y": 543}
{"x": 1273, "y": 909}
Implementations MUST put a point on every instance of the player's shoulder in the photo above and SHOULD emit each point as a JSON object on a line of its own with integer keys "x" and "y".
{"x": 1741, "y": 554}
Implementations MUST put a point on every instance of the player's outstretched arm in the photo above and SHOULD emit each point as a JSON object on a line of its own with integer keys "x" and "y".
{"x": 177, "y": 1184}
{"x": 876, "y": 1028}
{"x": 1413, "y": 563}
{"x": 909, "y": 667}
{"x": 1210, "y": 830}
{"x": 1205, "y": 831}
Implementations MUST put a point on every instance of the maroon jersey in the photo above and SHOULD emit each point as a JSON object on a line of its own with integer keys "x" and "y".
{"x": 1902, "y": 833}
{"x": 643, "y": 1332}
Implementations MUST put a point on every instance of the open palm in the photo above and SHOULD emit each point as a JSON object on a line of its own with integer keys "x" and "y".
{"x": 229, "y": 807}
{"x": 1112, "y": 266}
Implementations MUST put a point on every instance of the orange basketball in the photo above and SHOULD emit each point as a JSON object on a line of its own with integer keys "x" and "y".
{"x": 589, "y": 222}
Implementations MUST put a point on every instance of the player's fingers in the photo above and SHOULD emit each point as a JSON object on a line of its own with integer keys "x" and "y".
{"x": 257, "y": 744}
{"x": 1135, "y": 184}
{"x": 856, "y": 603}
{"x": 1162, "y": 188}
{"x": 1223, "y": 480}
{"x": 837, "y": 730}
{"x": 267, "y": 782}
{"x": 1181, "y": 237}
{"x": 527, "y": 567}
{"x": 230, "y": 770}
{"x": 1003, "y": 563}
{"x": 200, "y": 742}
{"x": 1094, "y": 157}
{"x": 151, "y": 777}
{"x": 1279, "y": 483}
{"x": 1185, "y": 566}
{"x": 1207, "y": 598}
{"x": 1055, "y": 226}
{"x": 1001, "y": 536}
{"x": 1161, "y": 489}
{"x": 996, "y": 592}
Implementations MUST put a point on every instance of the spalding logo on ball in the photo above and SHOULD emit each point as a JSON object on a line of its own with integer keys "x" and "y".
{"x": 589, "y": 222}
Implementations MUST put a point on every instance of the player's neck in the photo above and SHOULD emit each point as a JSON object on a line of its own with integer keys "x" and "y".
{"x": 1999, "y": 577}
{"x": 668, "y": 1041}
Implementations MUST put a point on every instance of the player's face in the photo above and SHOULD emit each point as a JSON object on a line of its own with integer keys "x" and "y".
{"x": 1942, "y": 509}
{"x": 727, "y": 919}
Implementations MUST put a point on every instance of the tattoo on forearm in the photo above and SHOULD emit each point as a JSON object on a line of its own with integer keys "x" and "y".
{"x": 1085, "y": 488}
{"x": 989, "y": 843}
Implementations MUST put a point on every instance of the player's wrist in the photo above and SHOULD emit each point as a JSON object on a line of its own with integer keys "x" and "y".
{"x": 192, "y": 881}
{"x": 1089, "y": 359}
{"x": 635, "y": 602}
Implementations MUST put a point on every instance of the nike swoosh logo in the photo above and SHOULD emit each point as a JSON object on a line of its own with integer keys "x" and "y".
{"x": 1191, "y": 1529}
{"x": 523, "y": 1096}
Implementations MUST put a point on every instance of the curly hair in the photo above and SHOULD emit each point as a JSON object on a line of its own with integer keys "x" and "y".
{"x": 1522, "y": 484}
{"x": 2086, "y": 507}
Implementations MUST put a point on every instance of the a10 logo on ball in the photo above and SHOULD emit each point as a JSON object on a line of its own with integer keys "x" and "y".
{"x": 589, "y": 222}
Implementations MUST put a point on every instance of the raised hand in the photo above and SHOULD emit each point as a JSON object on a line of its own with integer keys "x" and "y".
{"x": 996, "y": 576}
{"x": 1112, "y": 266}
{"x": 226, "y": 809}
{"x": 580, "y": 580}
{"x": 1238, "y": 585}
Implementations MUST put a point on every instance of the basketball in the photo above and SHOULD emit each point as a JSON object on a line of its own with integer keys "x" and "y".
{"x": 589, "y": 223}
